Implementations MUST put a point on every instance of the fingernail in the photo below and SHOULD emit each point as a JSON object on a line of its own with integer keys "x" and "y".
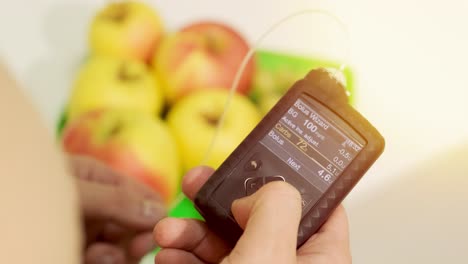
{"x": 152, "y": 209}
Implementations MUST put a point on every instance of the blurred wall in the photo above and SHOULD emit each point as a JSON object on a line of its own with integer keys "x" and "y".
{"x": 410, "y": 61}
{"x": 420, "y": 217}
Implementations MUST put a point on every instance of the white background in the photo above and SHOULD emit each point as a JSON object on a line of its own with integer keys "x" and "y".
{"x": 410, "y": 59}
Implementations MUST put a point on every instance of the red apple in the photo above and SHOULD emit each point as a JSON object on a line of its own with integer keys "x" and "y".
{"x": 136, "y": 145}
{"x": 205, "y": 55}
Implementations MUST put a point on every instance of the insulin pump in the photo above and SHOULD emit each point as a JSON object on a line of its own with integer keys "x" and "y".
{"x": 312, "y": 139}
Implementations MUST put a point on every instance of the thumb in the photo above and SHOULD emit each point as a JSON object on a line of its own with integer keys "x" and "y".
{"x": 270, "y": 219}
{"x": 121, "y": 204}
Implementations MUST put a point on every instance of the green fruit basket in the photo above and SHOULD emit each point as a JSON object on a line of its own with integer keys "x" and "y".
{"x": 277, "y": 62}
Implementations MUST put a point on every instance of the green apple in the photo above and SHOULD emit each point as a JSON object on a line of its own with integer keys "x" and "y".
{"x": 106, "y": 82}
{"x": 135, "y": 144}
{"x": 130, "y": 30}
{"x": 194, "y": 121}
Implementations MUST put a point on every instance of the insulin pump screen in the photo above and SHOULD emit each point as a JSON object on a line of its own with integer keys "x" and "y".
{"x": 308, "y": 147}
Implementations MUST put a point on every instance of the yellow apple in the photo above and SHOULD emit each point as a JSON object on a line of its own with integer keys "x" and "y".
{"x": 106, "y": 82}
{"x": 194, "y": 121}
{"x": 128, "y": 29}
{"x": 267, "y": 102}
{"x": 135, "y": 144}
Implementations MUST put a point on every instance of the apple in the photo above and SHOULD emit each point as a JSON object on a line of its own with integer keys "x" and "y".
{"x": 105, "y": 82}
{"x": 129, "y": 30}
{"x": 264, "y": 83}
{"x": 194, "y": 122}
{"x": 132, "y": 143}
{"x": 267, "y": 102}
{"x": 204, "y": 55}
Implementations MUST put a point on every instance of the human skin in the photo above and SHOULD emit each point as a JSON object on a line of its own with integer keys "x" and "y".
{"x": 119, "y": 213}
{"x": 39, "y": 220}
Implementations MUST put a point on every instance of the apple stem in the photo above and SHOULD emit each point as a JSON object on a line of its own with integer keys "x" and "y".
{"x": 211, "y": 119}
{"x": 125, "y": 73}
{"x": 116, "y": 129}
{"x": 213, "y": 43}
{"x": 118, "y": 13}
